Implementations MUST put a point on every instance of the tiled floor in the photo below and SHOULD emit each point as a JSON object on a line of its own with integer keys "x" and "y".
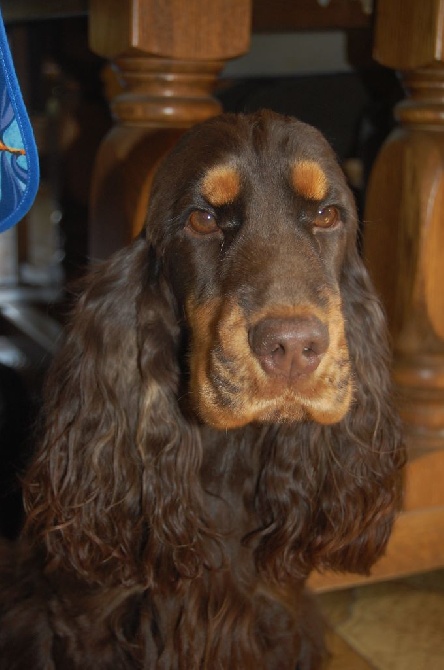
{"x": 397, "y": 625}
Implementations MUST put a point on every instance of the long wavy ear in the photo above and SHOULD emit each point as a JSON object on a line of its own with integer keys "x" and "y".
{"x": 328, "y": 494}
{"x": 362, "y": 481}
{"x": 113, "y": 490}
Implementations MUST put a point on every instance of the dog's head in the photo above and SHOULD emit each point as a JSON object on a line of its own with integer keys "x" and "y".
{"x": 252, "y": 216}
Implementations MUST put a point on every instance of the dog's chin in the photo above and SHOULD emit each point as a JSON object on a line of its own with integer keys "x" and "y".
{"x": 226, "y": 420}
{"x": 238, "y": 412}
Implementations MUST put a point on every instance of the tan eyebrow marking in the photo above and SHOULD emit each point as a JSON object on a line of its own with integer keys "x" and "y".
{"x": 309, "y": 180}
{"x": 221, "y": 185}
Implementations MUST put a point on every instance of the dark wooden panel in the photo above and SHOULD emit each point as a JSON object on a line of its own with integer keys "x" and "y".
{"x": 288, "y": 15}
{"x": 27, "y": 10}
{"x": 276, "y": 16}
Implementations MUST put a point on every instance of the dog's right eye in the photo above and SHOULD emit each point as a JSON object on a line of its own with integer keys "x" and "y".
{"x": 202, "y": 223}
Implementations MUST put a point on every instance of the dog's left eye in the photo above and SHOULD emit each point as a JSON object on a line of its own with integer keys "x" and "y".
{"x": 202, "y": 222}
{"x": 327, "y": 217}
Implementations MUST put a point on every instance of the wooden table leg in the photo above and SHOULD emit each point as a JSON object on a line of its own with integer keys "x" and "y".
{"x": 404, "y": 237}
{"x": 404, "y": 250}
{"x": 168, "y": 55}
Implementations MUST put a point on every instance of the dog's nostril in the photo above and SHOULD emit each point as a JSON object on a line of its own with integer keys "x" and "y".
{"x": 289, "y": 347}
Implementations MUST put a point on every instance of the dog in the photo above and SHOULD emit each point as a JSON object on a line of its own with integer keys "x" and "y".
{"x": 218, "y": 423}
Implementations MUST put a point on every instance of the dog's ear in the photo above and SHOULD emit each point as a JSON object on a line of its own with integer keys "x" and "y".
{"x": 361, "y": 495}
{"x": 329, "y": 494}
{"x": 114, "y": 489}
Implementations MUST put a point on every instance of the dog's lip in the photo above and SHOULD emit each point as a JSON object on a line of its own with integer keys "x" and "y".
{"x": 280, "y": 390}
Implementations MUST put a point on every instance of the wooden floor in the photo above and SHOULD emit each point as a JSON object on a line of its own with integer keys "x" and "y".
{"x": 395, "y": 625}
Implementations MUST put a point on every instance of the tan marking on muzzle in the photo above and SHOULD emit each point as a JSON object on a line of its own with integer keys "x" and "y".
{"x": 218, "y": 323}
{"x": 230, "y": 389}
{"x": 221, "y": 185}
{"x": 334, "y": 393}
{"x": 309, "y": 180}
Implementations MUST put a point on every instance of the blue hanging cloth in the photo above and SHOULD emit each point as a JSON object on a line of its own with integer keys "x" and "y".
{"x": 19, "y": 164}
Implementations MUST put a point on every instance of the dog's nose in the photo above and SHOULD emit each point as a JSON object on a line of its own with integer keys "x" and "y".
{"x": 290, "y": 346}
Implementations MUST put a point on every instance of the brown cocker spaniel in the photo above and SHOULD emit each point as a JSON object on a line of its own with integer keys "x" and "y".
{"x": 217, "y": 424}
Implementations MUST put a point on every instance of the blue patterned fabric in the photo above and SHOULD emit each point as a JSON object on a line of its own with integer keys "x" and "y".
{"x": 19, "y": 166}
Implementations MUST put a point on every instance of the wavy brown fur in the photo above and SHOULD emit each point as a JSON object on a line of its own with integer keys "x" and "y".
{"x": 153, "y": 540}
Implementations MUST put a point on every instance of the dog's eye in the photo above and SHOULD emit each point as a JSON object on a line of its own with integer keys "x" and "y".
{"x": 202, "y": 222}
{"x": 327, "y": 217}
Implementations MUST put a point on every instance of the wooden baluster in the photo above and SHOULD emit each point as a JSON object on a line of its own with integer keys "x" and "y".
{"x": 168, "y": 55}
{"x": 404, "y": 237}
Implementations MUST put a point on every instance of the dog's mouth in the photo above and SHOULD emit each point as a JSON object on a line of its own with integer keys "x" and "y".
{"x": 288, "y": 364}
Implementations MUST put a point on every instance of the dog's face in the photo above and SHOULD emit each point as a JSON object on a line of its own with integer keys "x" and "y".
{"x": 256, "y": 217}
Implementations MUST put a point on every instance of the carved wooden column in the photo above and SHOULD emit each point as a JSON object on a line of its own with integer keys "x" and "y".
{"x": 168, "y": 54}
{"x": 404, "y": 239}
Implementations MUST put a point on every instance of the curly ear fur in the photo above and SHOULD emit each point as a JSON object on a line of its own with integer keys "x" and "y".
{"x": 114, "y": 485}
{"x": 342, "y": 479}
{"x": 361, "y": 493}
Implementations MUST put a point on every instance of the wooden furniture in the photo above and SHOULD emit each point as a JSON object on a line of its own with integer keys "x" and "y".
{"x": 404, "y": 247}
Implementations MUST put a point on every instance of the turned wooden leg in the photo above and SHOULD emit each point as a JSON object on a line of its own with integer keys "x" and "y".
{"x": 404, "y": 238}
{"x": 168, "y": 55}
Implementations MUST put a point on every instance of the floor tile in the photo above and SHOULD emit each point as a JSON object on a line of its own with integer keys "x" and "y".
{"x": 397, "y": 625}
{"x": 342, "y": 656}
